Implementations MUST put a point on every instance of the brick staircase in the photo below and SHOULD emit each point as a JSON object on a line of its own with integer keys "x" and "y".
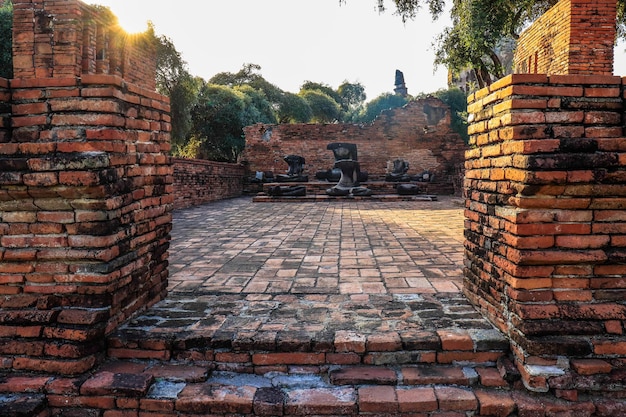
{"x": 418, "y": 374}
{"x": 439, "y": 373}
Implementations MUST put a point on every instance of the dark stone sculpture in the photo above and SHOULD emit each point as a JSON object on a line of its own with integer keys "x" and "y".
{"x": 346, "y": 160}
{"x": 342, "y": 152}
{"x": 399, "y": 172}
{"x": 295, "y": 172}
{"x": 425, "y": 176}
{"x": 287, "y": 191}
{"x": 408, "y": 189}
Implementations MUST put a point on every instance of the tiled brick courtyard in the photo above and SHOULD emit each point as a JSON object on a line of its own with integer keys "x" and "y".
{"x": 332, "y": 247}
{"x": 302, "y": 276}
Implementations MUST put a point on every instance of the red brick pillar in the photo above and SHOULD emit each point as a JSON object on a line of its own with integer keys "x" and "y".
{"x": 546, "y": 225}
{"x": 573, "y": 37}
{"x": 85, "y": 198}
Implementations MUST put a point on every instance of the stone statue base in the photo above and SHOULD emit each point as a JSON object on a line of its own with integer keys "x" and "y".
{"x": 287, "y": 191}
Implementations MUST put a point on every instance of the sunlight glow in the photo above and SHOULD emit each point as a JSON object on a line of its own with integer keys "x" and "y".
{"x": 131, "y": 24}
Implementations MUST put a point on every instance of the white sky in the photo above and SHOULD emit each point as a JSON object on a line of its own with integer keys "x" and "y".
{"x": 294, "y": 40}
{"x": 298, "y": 40}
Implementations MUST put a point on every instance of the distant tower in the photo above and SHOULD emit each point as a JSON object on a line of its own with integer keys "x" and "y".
{"x": 400, "y": 89}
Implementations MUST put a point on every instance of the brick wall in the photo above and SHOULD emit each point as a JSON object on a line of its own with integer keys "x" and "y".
{"x": 85, "y": 197}
{"x": 546, "y": 226}
{"x": 573, "y": 37}
{"x": 419, "y": 133}
{"x": 69, "y": 38}
{"x": 198, "y": 182}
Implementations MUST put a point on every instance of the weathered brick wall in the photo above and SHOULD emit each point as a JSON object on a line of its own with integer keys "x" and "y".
{"x": 85, "y": 200}
{"x": 546, "y": 226}
{"x": 198, "y": 182}
{"x": 69, "y": 38}
{"x": 573, "y": 37}
{"x": 419, "y": 133}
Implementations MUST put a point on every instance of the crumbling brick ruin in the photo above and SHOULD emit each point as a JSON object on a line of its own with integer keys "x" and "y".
{"x": 573, "y": 37}
{"x": 546, "y": 192}
{"x": 85, "y": 186}
{"x": 419, "y": 133}
{"x": 86, "y": 193}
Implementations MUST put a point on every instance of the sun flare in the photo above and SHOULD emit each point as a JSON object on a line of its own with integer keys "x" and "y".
{"x": 130, "y": 17}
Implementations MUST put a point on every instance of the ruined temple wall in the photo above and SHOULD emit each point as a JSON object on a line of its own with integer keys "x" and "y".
{"x": 198, "y": 181}
{"x": 85, "y": 197}
{"x": 59, "y": 39}
{"x": 545, "y": 225}
{"x": 419, "y": 133}
{"x": 573, "y": 37}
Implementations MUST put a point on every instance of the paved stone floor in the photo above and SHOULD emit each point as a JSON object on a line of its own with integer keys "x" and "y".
{"x": 332, "y": 247}
{"x": 307, "y": 272}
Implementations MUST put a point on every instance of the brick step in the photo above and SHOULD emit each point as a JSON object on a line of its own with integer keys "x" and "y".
{"x": 378, "y": 187}
{"x": 259, "y": 352}
{"x": 169, "y": 389}
{"x": 323, "y": 197}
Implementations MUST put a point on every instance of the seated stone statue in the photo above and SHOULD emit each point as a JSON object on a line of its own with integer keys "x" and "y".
{"x": 399, "y": 171}
{"x": 287, "y": 191}
{"x": 346, "y": 161}
{"x": 295, "y": 171}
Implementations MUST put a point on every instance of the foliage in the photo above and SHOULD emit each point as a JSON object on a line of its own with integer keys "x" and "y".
{"x": 293, "y": 109}
{"x": 323, "y": 88}
{"x": 6, "y": 40}
{"x": 480, "y": 28}
{"x": 183, "y": 96}
{"x": 323, "y": 107}
{"x": 383, "y": 102}
{"x": 217, "y": 121}
{"x": 174, "y": 80}
{"x": 170, "y": 64}
{"x": 257, "y": 108}
{"x": 352, "y": 95}
{"x": 349, "y": 97}
{"x": 248, "y": 75}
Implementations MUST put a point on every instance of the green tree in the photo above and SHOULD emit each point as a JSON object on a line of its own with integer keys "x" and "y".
{"x": 480, "y": 28}
{"x": 218, "y": 119}
{"x": 293, "y": 109}
{"x": 257, "y": 108}
{"x": 174, "y": 80}
{"x": 349, "y": 96}
{"x": 323, "y": 88}
{"x": 324, "y": 108}
{"x": 352, "y": 97}
{"x": 249, "y": 75}
{"x": 6, "y": 40}
{"x": 383, "y": 102}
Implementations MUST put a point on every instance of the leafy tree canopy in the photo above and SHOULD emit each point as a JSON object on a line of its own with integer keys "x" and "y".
{"x": 294, "y": 109}
{"x": 323, "y": 107}
{"x": 480, "y": 28}
{"x": 218, "y": 118}
{"x": 383, "y": 102}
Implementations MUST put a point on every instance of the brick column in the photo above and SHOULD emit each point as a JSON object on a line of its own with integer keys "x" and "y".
{"x": 573, "y": 37}
{"x": 546, "y": 225}
{"x": 85, "y": 200}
